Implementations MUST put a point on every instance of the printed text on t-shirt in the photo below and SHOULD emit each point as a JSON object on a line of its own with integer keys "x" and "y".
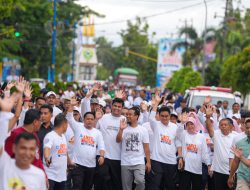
{"x": 87, "y": 140}
{"x": 165, "y": 139}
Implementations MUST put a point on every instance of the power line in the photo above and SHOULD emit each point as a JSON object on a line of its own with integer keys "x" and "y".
{"x": 152, "y": 15}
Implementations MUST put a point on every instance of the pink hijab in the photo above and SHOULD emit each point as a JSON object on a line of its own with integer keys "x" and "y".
{"x": 236, "y": 126}
{"x": 198, "y": 125}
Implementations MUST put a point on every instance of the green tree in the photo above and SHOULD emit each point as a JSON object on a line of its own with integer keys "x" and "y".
{"x": 135, "y": 37}
{"x": 184, "y": 79}
{"x": 103, "y": 73}
{"x": 33, "y": 47}
{"x": 236, "y": 72}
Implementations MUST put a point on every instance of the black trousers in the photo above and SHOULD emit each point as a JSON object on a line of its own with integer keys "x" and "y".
{"x": 69, "y": 179}
{"x": 160, "y": 172}
{"x": 108, "y": 176}
{"x": 220, "y": 181}
{"x": 190, "y": 181}
{"x": 53, "y": 185}
{"x": 82, "y": 178}
{"x": 206, "y": 179}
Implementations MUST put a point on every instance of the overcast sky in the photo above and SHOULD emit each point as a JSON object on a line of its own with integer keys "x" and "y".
{"x": 174, "y": 12}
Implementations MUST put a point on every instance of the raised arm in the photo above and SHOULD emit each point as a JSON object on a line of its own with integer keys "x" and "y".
{"x": 85, "y": 104}
{"x": 209, "y": 124}
{"x": 6, "y": 105}
{"x": 155, "y": 102}
{"x": 69, "y": 116}
{"x": 123, "y": 125}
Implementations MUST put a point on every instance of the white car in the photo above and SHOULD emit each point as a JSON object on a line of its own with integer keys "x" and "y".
{"x": 196, "y": 96}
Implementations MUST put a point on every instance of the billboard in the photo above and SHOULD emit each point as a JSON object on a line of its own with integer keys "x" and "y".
{"x": 11, "y": 69}
{"x": 168, "y": 61}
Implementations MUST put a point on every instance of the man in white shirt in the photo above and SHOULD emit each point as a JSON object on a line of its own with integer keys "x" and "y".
{"x": 68, "y": 93}
{"x": 51, "y": 100}
{"x": 135, "y": 143}
{"x": 88, "y": 142}
{"x": 139, "y": 100}
{"x": 108, "y": 176}
{"x": 18, "y": 172}
{"x": 222, "y": 140}
{"x": 166, "y": 144}
{"x": 55, "y": 154}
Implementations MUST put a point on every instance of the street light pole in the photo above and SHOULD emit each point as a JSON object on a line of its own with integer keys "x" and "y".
{"x": 204, "y": 43}
{"x": 73, "y": 51}
{"x": 52, "y": 77}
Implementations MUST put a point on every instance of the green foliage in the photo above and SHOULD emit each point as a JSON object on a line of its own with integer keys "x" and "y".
{"x": 33, "y": 46}
{"x": 60, "y": 86}
{"x": 236, "y": 72}
{"x": 103, "y": 73}
{"x": 36, "y": 89}
{"x": 184, "y": 79}
{"x": 135, "y": 37}
{"x": 51, "y": 87}
{"x": 212, "y": 73}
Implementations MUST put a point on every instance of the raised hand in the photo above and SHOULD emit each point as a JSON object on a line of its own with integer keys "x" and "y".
{"x": 157, "y": 99}
{"x": 120, "y": 94}
{"x": 237, "y": 152}
{"x": 97, "y": 86}
{"x": 28, "y": 91}
{"x": 7, "y": 103}
{"x": 207, "y": 100}
{"x": 209, "y": 110}
{"x": 144, "y": 107}
{"x": 123, "y": 124}
{"x": 10, "y": 85}
{"x": 20, "y": 84}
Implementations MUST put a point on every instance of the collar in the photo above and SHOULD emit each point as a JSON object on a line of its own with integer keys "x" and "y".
{"x": 50, "y": 125}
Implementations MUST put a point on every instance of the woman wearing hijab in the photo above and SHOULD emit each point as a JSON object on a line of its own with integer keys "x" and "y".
{"x": 195, "y": 153}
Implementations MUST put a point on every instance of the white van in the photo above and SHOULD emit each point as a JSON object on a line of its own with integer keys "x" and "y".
{"x": 196, "y": 96}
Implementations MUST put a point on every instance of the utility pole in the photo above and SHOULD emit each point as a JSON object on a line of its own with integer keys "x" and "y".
{"x": 204, "y": 42}
{"x": 52, "y": 77}
{"x": 73, "y": 50}
{"x": 186, "y": 41}
{"x": 229, "y": 7}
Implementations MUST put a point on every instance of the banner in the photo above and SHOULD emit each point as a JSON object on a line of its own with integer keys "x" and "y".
{"x": 11, "y": 69}
{"x": 168, "y": 61}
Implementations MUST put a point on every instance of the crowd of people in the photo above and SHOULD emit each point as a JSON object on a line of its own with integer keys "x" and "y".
{"x": 134, "y": 140}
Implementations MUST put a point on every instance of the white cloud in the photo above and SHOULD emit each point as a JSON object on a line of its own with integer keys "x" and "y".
{"x": 163, "y": 25}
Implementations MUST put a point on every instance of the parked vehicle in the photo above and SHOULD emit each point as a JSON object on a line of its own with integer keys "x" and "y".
{"x": 126, "y": 76}
{"x": 196, "y": 95}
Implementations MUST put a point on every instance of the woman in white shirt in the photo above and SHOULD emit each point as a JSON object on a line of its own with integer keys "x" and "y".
{"x": 195, "y": 153}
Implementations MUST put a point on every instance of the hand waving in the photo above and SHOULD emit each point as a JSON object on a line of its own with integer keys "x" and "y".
{"x": 123, "y": 124}
{"x": 7, "y": 103}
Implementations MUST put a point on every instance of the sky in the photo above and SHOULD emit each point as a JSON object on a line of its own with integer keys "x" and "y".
{"x": 165, "y": 17}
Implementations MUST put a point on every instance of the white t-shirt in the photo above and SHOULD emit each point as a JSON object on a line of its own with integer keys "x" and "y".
{"x": 68, "y": 94}
{"x": 69, "y": 134}
{"x": 150, "y": 133}
{"x": 165, "y": 141}
{"x": 87, "y": 141}
{"x": 109, "y": 127}
{"x": 132, "y": 145}
{"x": 56, "y": 111}
{"x": 13, "y": 177}
{"x": 138, "y": 101}
{"x": 195, "y": 152}
{"x": 209, "y": 143}
{"x": 57, "y": 171}
{"x": 222, "y": 147}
